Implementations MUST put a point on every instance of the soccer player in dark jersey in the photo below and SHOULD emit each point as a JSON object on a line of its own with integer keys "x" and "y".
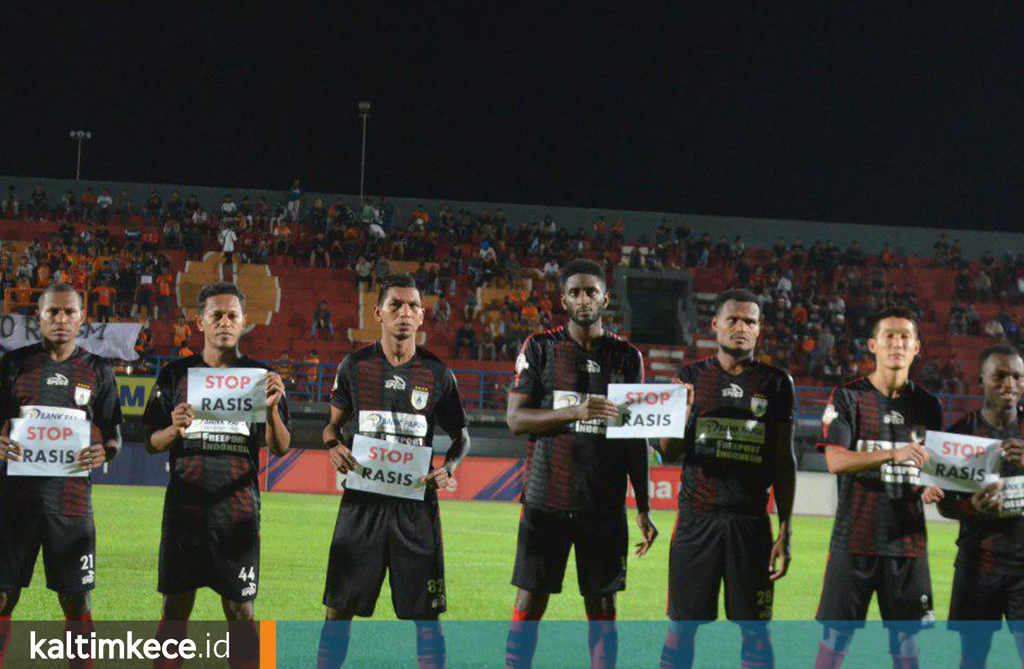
{"x": 396, "y": 391}
{"x": 54, "y": 512}
{"x": 575, "y": 489}
{"x": 738, "y": 444}
{"x": 873, "y": 428}
{"x": 989, "y": 579}
{"x": 210, "y": 535}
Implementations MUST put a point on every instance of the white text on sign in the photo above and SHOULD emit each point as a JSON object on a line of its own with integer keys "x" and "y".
{"x": 48, "y": 446}
{"x": 228, "y": 394}
{"x": 960, "y": 462}
{"x": 387, "y": 468}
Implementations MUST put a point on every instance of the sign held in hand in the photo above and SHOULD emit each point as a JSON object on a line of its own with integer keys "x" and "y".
{"x": 960, "y": 462}
{"x": 648, "y": 410}
{"x": 229, "y": 393}
{"x": 388, "y": 468}
{"x": 48, "y": 446}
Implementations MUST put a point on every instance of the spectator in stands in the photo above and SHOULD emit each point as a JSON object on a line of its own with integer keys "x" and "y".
{"x": 164, "y": 286}
{"x": 442, "y": 312}
{"x": 104, "y": 296}
{"x": 312, "y": 374}
{"x": 364, "y": 274}
{"x": 123, "y": 208}
{"x": 184, "y": 351}
{"x": 465, "y": 337}
{"x": 319, "y": 256}
{"x": 181, "y": 333}
{"x": 104, "y": 206}
{"x": 551, "y": 273}
{"x": 10, "y": 205}
{"x": 286, "y": 369}
{"x": 38, "y": 209}
{"x": 982, "y": 287}
{"x": 88, "y": 202}
{"x": 994, "y": 329}
{"x": 487, "y": 348}
{"x": 227, "y": 238}
{"x": 294, "y": 200}
{"x": 154, "y": 205}
{"x": 471, "y": 306}
{"x": 228, "y": 208}
{"x": 322, "y": 322}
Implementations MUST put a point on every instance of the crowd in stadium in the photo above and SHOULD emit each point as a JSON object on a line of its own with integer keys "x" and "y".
{"x": 816, "y": 299}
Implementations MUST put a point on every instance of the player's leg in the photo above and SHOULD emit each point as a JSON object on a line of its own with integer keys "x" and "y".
{"x": 749, "y": 591}
{"x": 542, "y": 553}
{"x": 416, "y": 573}
{"x": 850, "y": 582}
{"x": 602, "y": 543}
{"x": 1014, "y": 610}
{"x": 905, "y": 598}
{"x": 233, "y": 571}
{"x": 245, "y": 638}
{"x": 69, "y": 550}
{"x": 976, "y": 607}
{"x": 695, "y": 569}
{"x": 8, "y": 600}
{"x": 355, "y": 574}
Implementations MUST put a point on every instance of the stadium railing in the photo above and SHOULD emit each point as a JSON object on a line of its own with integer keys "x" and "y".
{"x": 487, "y": 390}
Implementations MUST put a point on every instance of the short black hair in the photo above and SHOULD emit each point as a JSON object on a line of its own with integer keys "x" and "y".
{"x": 402, "y": 280}
{"x": 219, "y": 288}
{"x": 581, "y": 266}
{"x": 737, "y": 295}
{"x": 56, "y": 288}
{"x": 997, "y": 349}
{"x": 893, "y": 312}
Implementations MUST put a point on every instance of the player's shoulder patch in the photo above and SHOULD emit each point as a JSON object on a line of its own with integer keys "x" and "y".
{"x": 829, "y": 415}
{"x": 522, "y": 364}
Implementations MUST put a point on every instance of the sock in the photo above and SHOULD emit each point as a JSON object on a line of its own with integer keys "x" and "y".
{"x": 333, "y": 644}
{"x": 245, "y": 644}
{"x": 757, "y": 652}
{"x": 971, "y": 663}
{"x": 603, "y": 640}
{"x": 678, "y": 650}
{"x": 905, "y": 662}
{"x": 5, "y": 636}
{"x": 522, "y": 641}
{"x": 828, "y": 658}
{"x": 170, "y": 629}
{"x": 430, "y": 648}
{"x": 80, "y": 626}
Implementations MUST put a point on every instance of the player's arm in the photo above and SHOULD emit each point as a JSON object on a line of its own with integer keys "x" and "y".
{"x": 522, "y": 418}
{"x": 166, "y": 423}
{"x": 451, "y": 415}
{"x": 783, "y": 476}
{"x": 837, "y": 428}
{"x": 341, "y": 410}
{"x": 106, "y": 417}
{"x": 985, "y": 503}
{"x": 9, "y": 449}
{"x": 638, "y": 469}
{"x": 673, "y": 448}
{"x": 278, "y": 435}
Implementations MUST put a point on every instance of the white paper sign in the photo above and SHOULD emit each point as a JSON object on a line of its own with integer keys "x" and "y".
{"x": 387, "y": 468}
{"x": 48, "y": 446}
{"x": 960, "y": 462}
{"x": 228, "y": 393}
{"x": 648, "y": 410}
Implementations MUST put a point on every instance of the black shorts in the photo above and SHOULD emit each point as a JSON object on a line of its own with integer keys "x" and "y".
{"x": 708, "y": 548}
{"x": 69, "y": 550}
{"x": 987, "y": 597}
{"x": 903, "y": 584}
{"x": 545, "y": 537}
{"x": 375, "y": 534}
{"x": 225, "y": 559}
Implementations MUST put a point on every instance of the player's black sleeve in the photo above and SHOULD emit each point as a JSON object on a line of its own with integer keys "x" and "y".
{"x": 687, "y": 375}
{"x": 638, "y": 464}
{"x": 528, "y": 379}
{"x": 8, "y": 406}
{"x": 936, "y": 417}
{"x": 783, "y": 404}
{"x": 161, "y": 402}
{"x": 341, "y": 392}
{"x": 448, "y": 412}
{"x": 838, "y": 420}
{"x": 106, "y": 413}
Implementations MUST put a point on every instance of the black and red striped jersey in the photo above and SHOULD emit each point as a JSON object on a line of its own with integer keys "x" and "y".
{"x": 992, "y": 544}
{"x": 214, "y": 468}
{"x": 29, "y": 376}
{"x": 880, "y": 510}
{"x": 402, "y": 404}
{"x": 729, "y": 447}
{"x": 576, "y": 469}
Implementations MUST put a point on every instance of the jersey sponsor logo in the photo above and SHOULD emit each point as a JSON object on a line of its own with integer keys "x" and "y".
{"x": 830, "y": 415}
{"x": 51, "y": 413}
{"x": 393, "y": 422}
{"x": 889, "y": 472}
{"x": 57, "y": 380}
{"x": 733, "y": 391}
{"x": 759, "y": 405}
{"x": 565, "y": 399}
{"x": 419, "y": 397}
{"x": 199, "y": 427}
{"x": 82, "y": 395}
{"x": 592, "y": 367}
{"x": 733, "y": 429}
{"x": 894, "y": 418}
{"x": 395, "y": 383}
{"x": 249, "y": 590}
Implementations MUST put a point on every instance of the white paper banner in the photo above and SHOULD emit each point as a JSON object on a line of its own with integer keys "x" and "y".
{"x": 228, "y": 393}
{"x": 48, "y": 446}
{"x": 387, "y": 468}
{"x": 648, "y": 410}
{"x": 960, "y": 462}
{"x": 107, "y": 340}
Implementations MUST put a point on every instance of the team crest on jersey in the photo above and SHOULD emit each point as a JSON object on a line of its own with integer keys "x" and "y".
{"x": 82, "y": 395}
{"x": 419, "y": 397}
{"x": 759, "y": 405}
{"x": 830, "y": 415}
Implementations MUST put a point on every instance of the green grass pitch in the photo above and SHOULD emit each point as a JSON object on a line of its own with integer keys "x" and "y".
{"x": 480, "y": 540}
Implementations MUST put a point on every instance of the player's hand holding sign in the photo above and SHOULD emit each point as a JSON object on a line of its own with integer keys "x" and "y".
{"x": 92, "y": 457}
{"x": 275, "y": 389}
{"x": 182, "y": 417}
{"x": 913, "y": 452}
{"x": 597, "y": 408}
{"x": 438, "y": 478}
{"x": 9, "y": 450}
{"x": 1013, "y": 450}
{"x": 341, "y": 458}
{"x": 989, "y": 499}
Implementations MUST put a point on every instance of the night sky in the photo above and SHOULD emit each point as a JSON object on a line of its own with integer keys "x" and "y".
{"x": 861, "y": 112}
